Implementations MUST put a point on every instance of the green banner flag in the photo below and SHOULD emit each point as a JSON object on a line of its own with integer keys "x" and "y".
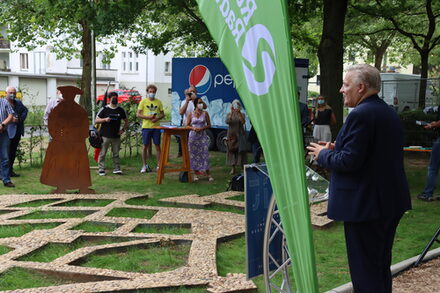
{"x": 255, "y": 45}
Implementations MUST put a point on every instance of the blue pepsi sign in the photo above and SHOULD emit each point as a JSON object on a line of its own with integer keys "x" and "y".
{"x": 213, "y": 82}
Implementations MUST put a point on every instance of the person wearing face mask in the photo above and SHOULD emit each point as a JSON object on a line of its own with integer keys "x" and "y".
{"x": 16, "y": 127}
{"x": 198, "y": 140}
{"x": 323, "y": 118}
{"x": 6, "y": 116}
{"x": 150, "y": 110}
{"x": 110, "y": 118}
{"x": 236, "y": 137}
{"x": 186, "y": 107}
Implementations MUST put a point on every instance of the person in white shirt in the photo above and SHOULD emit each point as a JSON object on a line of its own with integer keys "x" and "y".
{"x": 50, "y": 105}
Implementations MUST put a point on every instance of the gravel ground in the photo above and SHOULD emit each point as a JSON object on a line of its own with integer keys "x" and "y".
{"x": 422, "y": 279}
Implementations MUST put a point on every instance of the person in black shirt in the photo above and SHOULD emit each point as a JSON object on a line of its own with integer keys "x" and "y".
{"x": 110, "y": 117}
{"x": 323, "y": 118}
{"x": 434, "y": 164}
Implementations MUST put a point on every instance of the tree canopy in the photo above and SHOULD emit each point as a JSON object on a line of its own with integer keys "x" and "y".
{"x": 66, "y": 25}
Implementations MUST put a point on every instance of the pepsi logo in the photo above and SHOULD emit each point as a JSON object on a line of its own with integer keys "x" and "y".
{"x": 201, "y": 78}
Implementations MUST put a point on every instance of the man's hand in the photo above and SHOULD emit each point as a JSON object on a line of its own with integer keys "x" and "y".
{"x": 108, "y": 119}
{"x": 14, "y": 119}
{"x": 433, "y": 124}
{"x": 316, "y": 148}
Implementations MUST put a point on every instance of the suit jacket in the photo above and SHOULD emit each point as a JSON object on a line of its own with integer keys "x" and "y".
{"x": 368, "y": 178}
{"x": 21, "y": 113}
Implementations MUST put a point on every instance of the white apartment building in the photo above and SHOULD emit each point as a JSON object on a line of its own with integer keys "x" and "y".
{"x": 38, "y": 73}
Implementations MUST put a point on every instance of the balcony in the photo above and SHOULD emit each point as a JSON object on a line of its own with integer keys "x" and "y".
{"x": 5, "y": 44}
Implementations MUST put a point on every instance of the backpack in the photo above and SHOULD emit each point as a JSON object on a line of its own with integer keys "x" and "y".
{"x": 236, "y": 183}
{"x": 183, "y": 176}
{"x": 95, "y": 138}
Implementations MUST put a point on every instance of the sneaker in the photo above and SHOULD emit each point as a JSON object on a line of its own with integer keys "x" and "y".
{"x": 144, "y": 169}
{"x": 210, "y": 179}
{"x": 117, "y": 171}
{"x": 101, "y": 173}
{"x": 157, "y": 168}
{"x": 148, "y": 168}
{"x": 424, "y": 197}
{"x": 195, "y": 178}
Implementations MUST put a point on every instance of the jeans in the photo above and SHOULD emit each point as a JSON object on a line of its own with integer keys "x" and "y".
{"x": 4, "y": 156}
{"x": 116, "y": 145}
{"x": 13, "y": 145}
{"x": 434, "y": 165}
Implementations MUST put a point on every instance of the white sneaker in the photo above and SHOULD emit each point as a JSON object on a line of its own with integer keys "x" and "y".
{"x": 101, "y": 173}
{"x": 144, "y": 169}
{"x": 118, "y": 172}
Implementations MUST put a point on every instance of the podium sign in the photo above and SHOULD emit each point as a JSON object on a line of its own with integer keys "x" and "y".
{"x": 258, "y": 193}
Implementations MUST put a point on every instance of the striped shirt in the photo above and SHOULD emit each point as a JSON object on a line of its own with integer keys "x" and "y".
{"x": 5, "y": 110}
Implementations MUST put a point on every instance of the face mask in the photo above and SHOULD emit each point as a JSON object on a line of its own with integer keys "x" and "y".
{"x": 321, "y": 102}
{"x": 152, "y": 95}
{"x": 11, "y": 96}
{"x": 200, "y": 106}
{"x": 114, "y": 101}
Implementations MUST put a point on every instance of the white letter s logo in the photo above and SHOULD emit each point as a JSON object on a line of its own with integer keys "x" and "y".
{"x": 250, "y": 51}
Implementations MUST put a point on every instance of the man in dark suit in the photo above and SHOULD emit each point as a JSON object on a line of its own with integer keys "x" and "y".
{"x": 368, "y": 187}
{"x": 16, "y": 127}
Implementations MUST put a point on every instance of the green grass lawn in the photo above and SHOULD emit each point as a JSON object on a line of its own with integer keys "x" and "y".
{"x": 414, "y": 231}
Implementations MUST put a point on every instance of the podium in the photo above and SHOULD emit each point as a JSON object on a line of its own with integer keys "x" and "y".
{"x": 164, "y": 167}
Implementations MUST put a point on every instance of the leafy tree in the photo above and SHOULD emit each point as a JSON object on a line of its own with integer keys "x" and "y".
{"x": 173, "y": 25}
{"x": 414, "y": 19}
{"x": 67, "y": 25}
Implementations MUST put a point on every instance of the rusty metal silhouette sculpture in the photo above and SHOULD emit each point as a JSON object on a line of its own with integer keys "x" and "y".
{"x": 66, "y": 165}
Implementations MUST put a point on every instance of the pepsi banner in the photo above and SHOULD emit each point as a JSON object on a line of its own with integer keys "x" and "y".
{"x": 214, "y": 85}
{"x": 255, "y": 44}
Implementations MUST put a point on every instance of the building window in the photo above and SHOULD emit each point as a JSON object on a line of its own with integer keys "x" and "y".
{"x": 24, "y": 61}
{"x": 105, "y": 62}
{"x": 130, "y": 62}
{"x": 167, "y": 68}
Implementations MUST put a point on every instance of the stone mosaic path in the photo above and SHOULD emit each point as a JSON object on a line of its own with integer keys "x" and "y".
{"x": 207, "y": 228}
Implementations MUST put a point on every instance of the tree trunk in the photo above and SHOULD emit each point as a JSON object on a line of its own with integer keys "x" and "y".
{"x": 424, "y": 58}
{"x": 378, "y": 57}
{"x": 330, "y": 54}
{"x": 86, "y": 56}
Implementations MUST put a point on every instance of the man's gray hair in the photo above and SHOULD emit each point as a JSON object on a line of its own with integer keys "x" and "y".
{"x": 10, "y": 87}
{"x": 367, "y": 75}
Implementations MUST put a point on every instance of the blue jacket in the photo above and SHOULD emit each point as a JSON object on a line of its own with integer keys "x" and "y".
{"x": 368, "y": 179}
{"x": 21, "y": 113}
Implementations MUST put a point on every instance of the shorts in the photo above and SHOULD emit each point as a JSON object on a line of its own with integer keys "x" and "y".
{"x": 150, "y": 133}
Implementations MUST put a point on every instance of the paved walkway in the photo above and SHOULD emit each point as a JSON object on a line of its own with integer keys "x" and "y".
{"x": 207, "y": 228}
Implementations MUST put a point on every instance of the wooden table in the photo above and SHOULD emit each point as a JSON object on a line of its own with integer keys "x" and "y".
{"x": 164, "y": 154}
